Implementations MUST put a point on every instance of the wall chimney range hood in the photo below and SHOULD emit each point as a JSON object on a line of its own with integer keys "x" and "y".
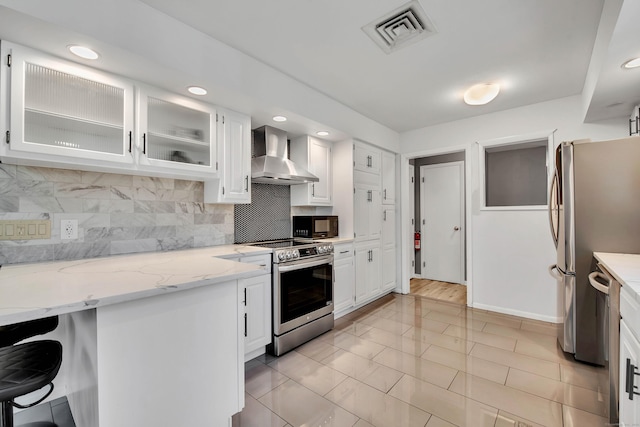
{"x": 271, "y": 164}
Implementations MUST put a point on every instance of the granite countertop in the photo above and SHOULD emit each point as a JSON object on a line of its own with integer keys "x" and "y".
{"x": 625, "y": 268}
{"x": 31, "y": 291}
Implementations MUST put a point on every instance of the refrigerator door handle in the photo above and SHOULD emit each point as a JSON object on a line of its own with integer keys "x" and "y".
{"x": 555, "y": 275}
{"x": 554, "y": 206}
{"x": 597, "y": 285}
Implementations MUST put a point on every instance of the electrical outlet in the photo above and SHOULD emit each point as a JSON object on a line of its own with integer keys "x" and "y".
{"x": 69, "y": 229}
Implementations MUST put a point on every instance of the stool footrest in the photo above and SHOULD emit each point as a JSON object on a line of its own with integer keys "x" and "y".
{"x": 30, "y": 405}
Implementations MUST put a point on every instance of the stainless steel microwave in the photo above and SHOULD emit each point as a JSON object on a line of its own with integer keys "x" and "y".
{"x": 315, "y": 227}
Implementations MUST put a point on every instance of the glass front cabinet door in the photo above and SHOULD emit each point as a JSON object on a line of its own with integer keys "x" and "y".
{"x": 62, "y": 113}
{"x": 175, "y": 133}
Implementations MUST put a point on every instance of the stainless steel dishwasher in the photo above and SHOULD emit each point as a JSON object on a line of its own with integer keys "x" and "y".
{"x": 604, "y": 282}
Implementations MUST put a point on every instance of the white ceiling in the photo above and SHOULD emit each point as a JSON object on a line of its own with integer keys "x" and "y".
{"x": 537, "y": 49}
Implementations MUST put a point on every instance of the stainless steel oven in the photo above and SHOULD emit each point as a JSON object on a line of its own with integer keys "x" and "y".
{"x": 302, "y": 292}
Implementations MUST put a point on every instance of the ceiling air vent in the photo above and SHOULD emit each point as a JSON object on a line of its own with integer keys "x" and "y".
{"x": 402, "y": 27}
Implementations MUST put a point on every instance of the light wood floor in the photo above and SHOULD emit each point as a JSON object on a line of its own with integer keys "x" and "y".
{"x": 443, "y": 291}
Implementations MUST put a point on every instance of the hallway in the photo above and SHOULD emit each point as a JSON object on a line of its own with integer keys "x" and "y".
{"x": 443, "y": 291}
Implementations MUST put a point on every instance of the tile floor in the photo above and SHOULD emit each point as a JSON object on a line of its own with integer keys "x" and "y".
{"x": 407, "y": 360}
{"x": 56, "y": 411}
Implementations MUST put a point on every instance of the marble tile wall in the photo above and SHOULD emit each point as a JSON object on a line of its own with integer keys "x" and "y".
{"x": 117, "y": 214}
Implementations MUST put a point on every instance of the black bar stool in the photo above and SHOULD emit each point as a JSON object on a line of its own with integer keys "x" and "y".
{"x": 26, "y": 367}
{"x": 11, "y": 334}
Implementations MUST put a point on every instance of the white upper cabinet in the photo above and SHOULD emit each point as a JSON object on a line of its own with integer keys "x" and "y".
{"x": 367, "y": 213}
{"x": 316, "y": 156}
{"x": 176, "y": 134}
{"x": 59, "y": 113}
{"x": 234, "y": 154}
{"x": 388, "y": 178}
{"x": 366, "y": 158}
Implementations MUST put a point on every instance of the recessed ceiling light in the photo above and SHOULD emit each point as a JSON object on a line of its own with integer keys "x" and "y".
{"x": 83, "y": 52}
{"x": 279, "y": 119}
{"x": 322, "y": 133}
{"x": 632, "y": 63}
{"x": 481, "y": 94}
{"x": 197, "y": 90}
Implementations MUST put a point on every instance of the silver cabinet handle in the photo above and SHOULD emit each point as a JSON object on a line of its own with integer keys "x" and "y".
{"x": 246, "y": 183}
{"x": 313, "y": 190}
{"x": 384, "y": 192}
{"x": 554, "y": 275}
{"x": 597, "y": 285}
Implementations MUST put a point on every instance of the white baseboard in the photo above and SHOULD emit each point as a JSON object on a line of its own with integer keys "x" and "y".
{"x": 525, "y": 314}
{"x": 254, "y": 354}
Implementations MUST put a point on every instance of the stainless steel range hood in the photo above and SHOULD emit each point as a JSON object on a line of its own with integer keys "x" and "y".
{"x": 271, "y": 164}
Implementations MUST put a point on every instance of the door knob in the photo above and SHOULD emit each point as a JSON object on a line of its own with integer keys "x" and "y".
{"x": 456, "y": 228}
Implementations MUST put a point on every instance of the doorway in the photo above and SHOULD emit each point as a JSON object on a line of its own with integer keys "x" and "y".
{"x": 439, "y": 201}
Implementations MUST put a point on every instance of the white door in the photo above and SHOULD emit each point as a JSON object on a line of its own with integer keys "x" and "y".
{"x": 412, "y": 215}
{"x": 442, "y": 207}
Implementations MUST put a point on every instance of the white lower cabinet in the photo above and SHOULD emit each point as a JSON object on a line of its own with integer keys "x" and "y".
{"x": 389, "y": 263}
{"x": 257, "y": 316}
{"x": 629, "y": 374}
{"x": 629, "y": 409}
{"x": 256, "y": 299}
{"x": 368, "y": 268}
{"x": 343, "y": 278}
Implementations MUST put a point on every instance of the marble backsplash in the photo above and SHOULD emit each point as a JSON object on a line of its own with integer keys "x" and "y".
{"x": 117, "y": 214}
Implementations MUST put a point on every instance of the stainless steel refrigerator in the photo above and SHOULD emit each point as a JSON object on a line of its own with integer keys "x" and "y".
{"x": 594, "y": 206}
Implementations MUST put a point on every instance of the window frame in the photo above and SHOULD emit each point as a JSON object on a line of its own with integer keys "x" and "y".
{"x": 514, "y": 140}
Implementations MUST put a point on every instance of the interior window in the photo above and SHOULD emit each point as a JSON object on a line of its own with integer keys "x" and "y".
{"x": 515, "y": 174}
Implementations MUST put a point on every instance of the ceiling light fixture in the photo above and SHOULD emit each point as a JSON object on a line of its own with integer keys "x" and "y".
{"x": 83, "y": 52}
{"x": 197, "y": 90}
{"x": 322, "y": 133}
{"x": 632, "y": 63}
{"x": 481, "y": 94}
{"x": 279, "y": 119}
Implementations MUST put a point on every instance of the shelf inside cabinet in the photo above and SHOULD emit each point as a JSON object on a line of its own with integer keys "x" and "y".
{"x": 176, "y": 149}
{"x": 58, "y": 130}
{"x": 179, "y": 141}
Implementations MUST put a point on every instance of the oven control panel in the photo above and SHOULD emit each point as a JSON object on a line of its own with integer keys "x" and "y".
{"x": 292, "y": 254}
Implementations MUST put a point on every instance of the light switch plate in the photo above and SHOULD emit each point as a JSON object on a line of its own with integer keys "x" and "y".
{"x": 25, "y": 229}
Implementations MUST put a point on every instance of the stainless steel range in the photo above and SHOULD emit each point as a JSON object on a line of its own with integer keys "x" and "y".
{"x": 302, "y": 291}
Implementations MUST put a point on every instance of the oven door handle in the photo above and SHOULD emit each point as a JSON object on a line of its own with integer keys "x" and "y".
{"x": 306, "y": 264}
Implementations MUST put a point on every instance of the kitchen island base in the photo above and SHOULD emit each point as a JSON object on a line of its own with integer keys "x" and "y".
{"x": 163, "y": 360}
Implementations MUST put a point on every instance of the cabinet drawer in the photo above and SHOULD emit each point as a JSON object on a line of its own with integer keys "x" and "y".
{"x": 630, "y": 310}
{"x": 342, "y": 251}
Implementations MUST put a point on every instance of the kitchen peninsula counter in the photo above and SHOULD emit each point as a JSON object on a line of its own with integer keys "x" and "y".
{"x": 31, "y": 291}
{"x": 148, "y": 339}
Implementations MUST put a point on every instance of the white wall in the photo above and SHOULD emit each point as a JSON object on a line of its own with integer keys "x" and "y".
{"x": 510, "y": 251}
